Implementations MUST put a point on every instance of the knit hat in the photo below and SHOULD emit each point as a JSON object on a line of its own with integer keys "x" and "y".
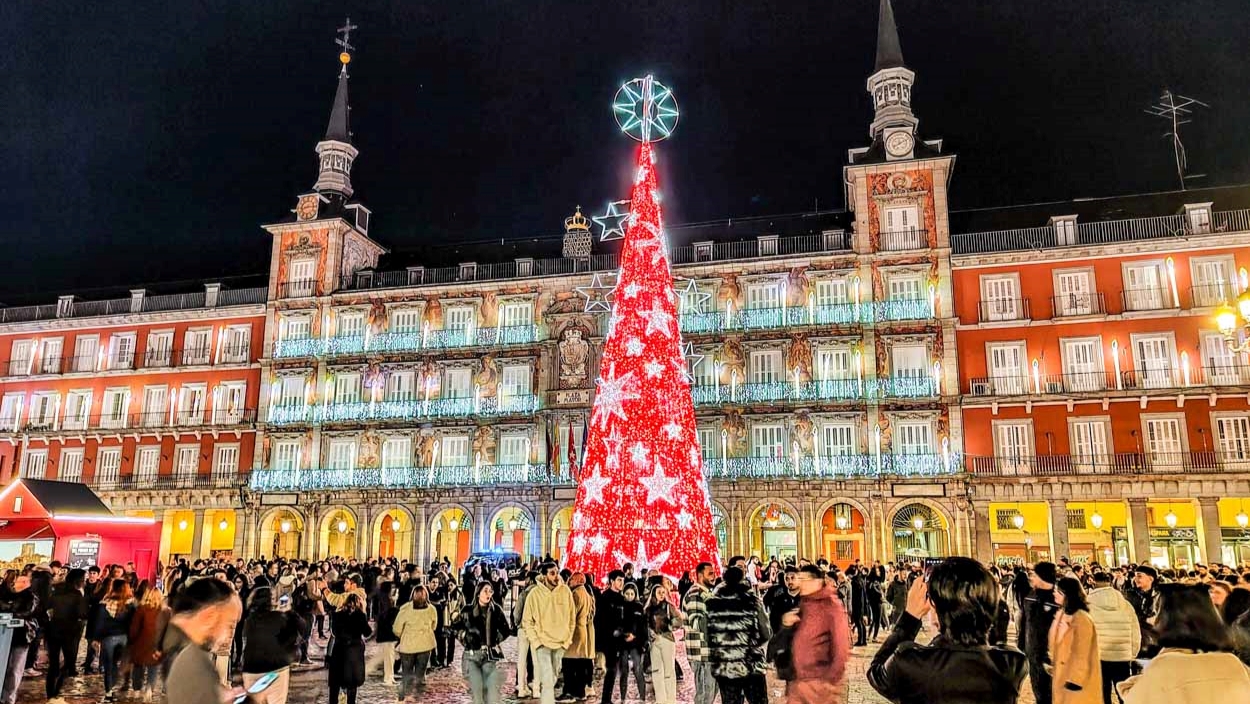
{"x": 1148, "y": 570}
{"x": 1046, "y": 571}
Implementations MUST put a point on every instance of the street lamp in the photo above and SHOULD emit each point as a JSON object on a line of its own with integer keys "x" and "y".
{"x": 1242, "y": 519}
{"x": 1229, "y": 319}
{"x": 512, "y": 525}
{"x": 1170, "y": 518}
{"x": 918, "y": 522}
{"x": 1096, "y": 519}
{"x": 285, "y": 526}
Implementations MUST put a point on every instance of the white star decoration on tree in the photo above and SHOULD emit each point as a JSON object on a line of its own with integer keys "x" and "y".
{"x": 640, "y": 559}
{"x": 673, "y": 430}
{"x": 579, "y": 520}
{"x": 595, "y": 485}
{"x": 659, "y": 486}
{"x": 612, "y": 449}
{"x": 638, "y": 455}
{"x": 614, "y": 391}
{"x": 633, "y": 347}
{"x": 598, "y": 543}
{"x": 632, "y": 289}
{"x": 579, "y": 544}
{"x": 658, "y": 319}
{"x": 684, "y": 519}
{"x": 654, "y": 369}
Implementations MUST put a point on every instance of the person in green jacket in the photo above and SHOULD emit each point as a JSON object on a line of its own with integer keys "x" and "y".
{"x": 414, "y": 627}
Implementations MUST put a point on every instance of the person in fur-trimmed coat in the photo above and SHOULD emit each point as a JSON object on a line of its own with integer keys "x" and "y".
{"x": 737, "y": 631}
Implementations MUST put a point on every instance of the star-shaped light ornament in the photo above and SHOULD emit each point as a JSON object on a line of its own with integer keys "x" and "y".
{"x": 658, "y": 320}
{"x": 684, "y": 519}
{"x": 654, "y": 369}
{"x": 610, "y": 221}
{"x": 693, "y": 360}
{"x": 599, "y": 543}
{"x": 614, "y": 391}
{"x": 641, "y": 560}
{"x": 693, "y": 300}
{"x": 597, "y": 293}
{"x": 638, "y": 454}
{"x": 655, "y": 242}
{"x": 673, "y": 430}
{"x": 632, "y": 289}
{"x": 612, "y": 449}
{"x": 579, "y": 544}
{"x": 659, "y": 487}
{"x": 595, "y": 484}
{"x": 633, "y": 347}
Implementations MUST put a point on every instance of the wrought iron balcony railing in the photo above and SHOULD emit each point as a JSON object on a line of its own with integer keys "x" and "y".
{"x": 402, "y": 477}
{"x": 1097, "y": 233}
{"x": 413, "y": 341}
{"x": 1109, "y": 463}
{"x": 832, "y": 466}
{"x": 901, "y": 240}
{"x": 1149, "y": 298}
{"x": 366, "y": 411}
{"x": 1004, "y": 309}
{"x": 123, "y": 482}
{"x": 1070, "y": 305}
{"x": 1167, "y": 378}
{"x": 151, "y": 421}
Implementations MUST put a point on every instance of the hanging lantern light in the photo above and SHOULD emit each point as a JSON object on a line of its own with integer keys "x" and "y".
{"x": 1242, "y": 519}
{"x": 284, "y": 526}
{"x": 842, "y": 522}
{"x": 342, "y": 526}
{"x": 182, "y": 525}
{"x": 512, "y": 525}
{"x": 1096, "y": 520}
{"x": 224, "y": 524}
{"x": 918, "y": 522}
{"x": 395, "y": 525}
{"x": 1170, "y": 519}
{"x": 1018, "y": 520}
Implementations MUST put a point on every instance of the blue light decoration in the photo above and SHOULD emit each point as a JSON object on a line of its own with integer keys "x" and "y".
{"x": 833, "y": 467}
{"x": 799, "y": 316}
{"x": 611, "y": 223}
{"x": 815, "y": 390}
{"x": 416, "y": 409}
{"x": 414, "y": 341}
{"x": 645, "y": 109}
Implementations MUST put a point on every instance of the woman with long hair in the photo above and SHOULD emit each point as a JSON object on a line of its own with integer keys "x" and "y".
{"x": 1195, "y": 663}
{"x": 349, "y": 626}
{"x": 662, "y": 620}
{"x": 147, "y": 631}
{"x": 270, "y": 644}
{"x": 482, "y": 627}
{"x": 1236, "y": 613}
{"x": 1076, "y": 675}
{"x": 112, "y": 629}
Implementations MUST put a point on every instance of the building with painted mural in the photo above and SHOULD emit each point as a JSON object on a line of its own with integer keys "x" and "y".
{"x": 895, "y": 380}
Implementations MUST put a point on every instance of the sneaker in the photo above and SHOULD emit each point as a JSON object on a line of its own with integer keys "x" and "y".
{"x": 566, "y": 699}
{"x": 520, "y": 693}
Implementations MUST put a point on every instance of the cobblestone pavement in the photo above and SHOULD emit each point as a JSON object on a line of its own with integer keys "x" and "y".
{"x": 446, "y": 686}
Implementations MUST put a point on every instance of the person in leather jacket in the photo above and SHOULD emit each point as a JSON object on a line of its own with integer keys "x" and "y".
{"x": 482, "y": 627}
{"x": 21, "y": 602}
{"x": 959, "y": 665}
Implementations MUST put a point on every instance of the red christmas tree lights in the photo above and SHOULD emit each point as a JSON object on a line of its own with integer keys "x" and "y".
{"x": 642, "y": 496}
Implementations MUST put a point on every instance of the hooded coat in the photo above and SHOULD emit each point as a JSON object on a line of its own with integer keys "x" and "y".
{"x": 1115, "y": 620}
{"x": 737, "y": 631}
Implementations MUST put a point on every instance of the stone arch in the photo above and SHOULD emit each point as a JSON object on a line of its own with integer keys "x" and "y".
{"x": 561, "y": 524}
{"x": 272, "y": 540}
{"x": 333, "y": 542}
{"x": 501, "y": 536}
{"x": 720, "y": 527}
{"x": 842, "y": 546}
{"x": 385, "y": 540}
{"x": 910, "y": 541}
{"x": 781, "y": 539}
{"x": 456, "y": 545}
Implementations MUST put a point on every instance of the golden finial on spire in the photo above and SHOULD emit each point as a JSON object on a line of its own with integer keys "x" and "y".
{"x": 576, "y": 222}
{"x": 345, "y": 56}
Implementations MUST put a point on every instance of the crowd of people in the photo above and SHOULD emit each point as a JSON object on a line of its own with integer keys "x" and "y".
{"x": 1083, "y": 634}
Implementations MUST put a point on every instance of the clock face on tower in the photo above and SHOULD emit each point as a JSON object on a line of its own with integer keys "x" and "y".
{"x": 899, "y": 143}
{"x": 306, "y": 209}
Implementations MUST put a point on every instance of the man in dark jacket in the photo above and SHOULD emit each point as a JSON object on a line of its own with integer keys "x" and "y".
{"x": 1144, "y": 596}
{"x": 858, "y": 604}
{"x": 609, "y": 629}
{"x": 737, "y": 630}
{"x": 1034, "y": 636}
{"x": 67, "y": 608}
{"x": 270, "y": 640}
{"x": 305, "y": 606}
{"x": 896, "y": 594}
{"x": 957, "y": 665}
{"x": 782, "y": 598}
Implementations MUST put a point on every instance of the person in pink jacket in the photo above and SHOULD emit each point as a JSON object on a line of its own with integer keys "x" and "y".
{"x": 822, "y": 642}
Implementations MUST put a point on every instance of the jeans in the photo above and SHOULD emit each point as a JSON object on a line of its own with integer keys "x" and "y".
{"x": 522, "y": 662}
{"x": 1040, "y": 680}
{"x": 629, "y": 658}
{"x": 111, "y": 648}
{"x": 704, "y": 682}
{"x": 611, "y": 662}
{"x": 546, "y": 664}
{"x": 483, "y": 676}
{"x": 412, "y": 673}
{"x": 62, "y": 654}
{"x": 1112, "y": 674}
{"x": 734, "y": 690}
{"x": 305, "y": 636}
{"x": 663, "y": 670}
{"x": 275, "y": 693}
{"x": 13, "y": 676}
{"x": 874, "y": 620}
{"x": 142, "y": 676}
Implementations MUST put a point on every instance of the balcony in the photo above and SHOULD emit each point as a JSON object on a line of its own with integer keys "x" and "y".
{"x": 1072, "y": 305}
{"x": 414, "y": 341}
{"x": 1142, "y": 299}
{"x": 831, "y": 467}
{"x": 1125, "y": 463}
{"x": 1211, "y": 295}
{"x": 902, "y": 240}
{"x": 1004, "y": 309}
{"x": 764, "y": 392}
{"x": 109, "y": 423}
{"x": 1099, "y": 233}
{"x": 363, "y": 412}
{"x": 299, "y": 289}
{"x": 402, "y": 477}
{"x": 1132, "y": 380}
{"x": 166, "y": 481}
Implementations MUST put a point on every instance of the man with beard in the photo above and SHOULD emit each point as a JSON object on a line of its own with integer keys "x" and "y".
{"x": 782, "y": 598}
{"x": 694, "y": 605}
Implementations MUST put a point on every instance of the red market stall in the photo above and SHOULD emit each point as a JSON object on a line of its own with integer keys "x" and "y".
{"x": 42, "y": 520}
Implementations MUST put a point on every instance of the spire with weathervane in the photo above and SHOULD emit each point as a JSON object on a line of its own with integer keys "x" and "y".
{"x": 890, "y": 87}
{"x": 336, "y": 152}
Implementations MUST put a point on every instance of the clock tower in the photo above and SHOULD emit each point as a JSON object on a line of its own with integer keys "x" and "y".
{"x": 893, "y": 125}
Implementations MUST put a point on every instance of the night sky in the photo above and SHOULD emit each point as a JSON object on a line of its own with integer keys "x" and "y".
{"x": 147, "y": 142}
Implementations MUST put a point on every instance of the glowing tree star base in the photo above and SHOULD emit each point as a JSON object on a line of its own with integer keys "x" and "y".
{"x": 642, "y": 497}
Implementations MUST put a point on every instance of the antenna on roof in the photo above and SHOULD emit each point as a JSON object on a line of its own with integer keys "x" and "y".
{"x": 1177, "y": 110}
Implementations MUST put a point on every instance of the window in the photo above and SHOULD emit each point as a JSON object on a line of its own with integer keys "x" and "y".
{"x": 1074, "y": 293}
{"x": 708, "y": 442}
{"x": 155, "y": 406}
{"x": 1082, "y": 364}
{"x": 1234, "y": 432}
{"x": 351, "y": 324}
{"x": 831, "y": 292}
{"x": 147, "y": 463}
{"x": 71, "y": 465}
{"x": 113, "y": 407}
{"x": 108, "y": 465}
{"x": 703, "y": 369}
{"x": 1076, "y": 519}
{"x": 913, "y": 438}
{"x": 1199, "y": 218}
{"x": 1089, "y": 441}
{"x": 516, "y": 314}
{"x": 405, "y": 320}
{"x": 1153, "y": 359}
{"x": 833, "y": 363}
{"x": 694, "y": 301}
{"x": 235, "y": 345}
{"x": 458, "y": 318}
{"x": 228, "y": 402}
{"x": 1214, "y": 280}
{"x": 401, "y": 386}
{"x": 302, "y": 279}
{"x": 905, "y": 288}
{"x": 1165, "y": 441}
{"x": 909, "y": 361}
{"x": 1007, "y": 368}
{"x": 457, "y": 383}
{"x": 764, "y": 296}
{"x": 514, "y": 449}
{"x": 766, "y": 367}
{"x": 342, "y": 454}
{"x": 122, "y": 351}
{"x": 35, "y": 464}
{"x": 196, "y": 346}
{"x": 292, "y": 391}
{"x": 286, "y": 455}
{"x": 768, "y": 440}
{"x": 454, "y": 450}
{"x": 21, "y": 357}
{"x": 1005, "y": 519}
{"x": 86, "y": 349}
{"x": 1013, "y": 441}
{"x": 516, "y": 381}
{"x": 296, "y": 327}
{"x": 347, "y": 388}
{"x": 396, "y": 453}
{"x": 77, "y": 409}
{"x": 160, "y": 349}
{"x": 226, "y": 461}
{"x": 902, "y": 228}
{"x": 50, "y": 356}
{"x": 1145, "y": 287}
{"x": 44, "y": 407}
{"x": 837, "y": 440}
{"x": 191, "y": 404}
{"x": 187, "y": 460}
{"x": 1220, "y": 365}
{"x": 1000, "y": 298}
{"x": 1065, "y": 230}
{"x": 10, "y": 409}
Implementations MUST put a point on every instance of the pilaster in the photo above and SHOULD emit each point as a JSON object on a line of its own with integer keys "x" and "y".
{"x": 1059, "y": 545}
{"x": 1139, "y": 530}
{"x": 1209, "y": 526}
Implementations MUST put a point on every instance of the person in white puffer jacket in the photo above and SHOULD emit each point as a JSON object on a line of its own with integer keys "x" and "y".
{"x": 1119, "y": 634}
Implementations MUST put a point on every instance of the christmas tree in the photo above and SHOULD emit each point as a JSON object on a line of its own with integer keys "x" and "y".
{"x": 642, "y": 497}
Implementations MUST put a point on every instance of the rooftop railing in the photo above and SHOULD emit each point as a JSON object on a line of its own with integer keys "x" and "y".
{"x": 1097, "y": 233}
{"x": 124, "y": 306}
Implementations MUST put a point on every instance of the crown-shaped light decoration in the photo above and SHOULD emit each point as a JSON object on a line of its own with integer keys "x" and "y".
{"x": 577, "y": 221}
{"x": 577, "y": 240}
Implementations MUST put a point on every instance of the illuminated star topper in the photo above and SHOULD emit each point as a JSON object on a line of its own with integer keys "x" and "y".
{"x": 611, "y": 221}
{"x": 645, "y": 109}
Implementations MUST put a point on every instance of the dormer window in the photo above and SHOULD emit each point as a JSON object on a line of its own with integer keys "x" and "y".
{"x": 1198, "y": 218}
{"x": 1065, "y": 229}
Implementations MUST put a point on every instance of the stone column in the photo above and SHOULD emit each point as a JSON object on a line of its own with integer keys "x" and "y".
{"x": 1059, "y": 545}
{"x": 197, "y": 534}
{"x": 982, "y": 543}
{"x": 312, "y": 533}
{"x": 1139, "y": 531}
{"x": 1209, "y": 525}
{"x": 242, "y": 526}
{"x": 364, "y": 531}
{"x": 419, "y": 535}
{"x": 540, "y": 535}
{"x": 167, "y": 534}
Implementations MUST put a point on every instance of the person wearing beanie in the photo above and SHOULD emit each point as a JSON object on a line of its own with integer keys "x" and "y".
{"x": 1035, "y": 621}
{"x": 1144, "y": 596}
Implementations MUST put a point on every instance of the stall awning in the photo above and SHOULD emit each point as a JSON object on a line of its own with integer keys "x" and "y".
{"x": 26, "y": 530}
